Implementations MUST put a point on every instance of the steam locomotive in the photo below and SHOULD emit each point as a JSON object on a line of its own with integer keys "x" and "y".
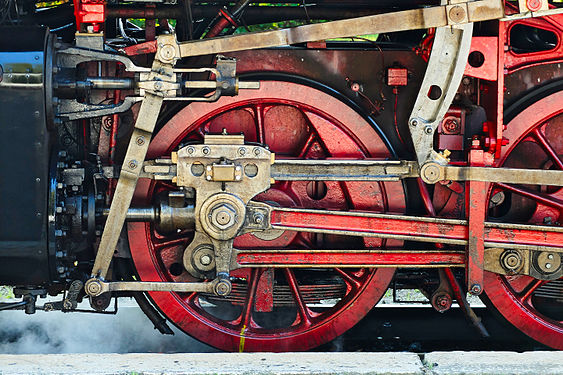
{"x": 259, "y": 174}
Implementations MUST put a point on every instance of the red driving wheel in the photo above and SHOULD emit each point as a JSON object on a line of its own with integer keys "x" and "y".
{"x": 533, "y": 306}
{"x": 282, "y": 309}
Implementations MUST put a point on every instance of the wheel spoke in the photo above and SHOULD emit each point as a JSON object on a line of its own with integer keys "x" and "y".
{"x": 526, "y": 293}
{"x": 307, "y": 145}
{"x": 259, "y": 121}
{"x": 302, "y": 309}
{"x": 252, "y": 282}
{"x": 543, "y": 142}
{"x": 534, "y": 195}
{"x": 170, "y": 242}
{"x": 352, "y": 281}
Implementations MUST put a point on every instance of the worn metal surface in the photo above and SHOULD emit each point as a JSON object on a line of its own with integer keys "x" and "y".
{"x": 342, "y": 170}
{"x": 381, "y": 23}
{"x": 447, "y": 231}
{"x": 444, "y": 72}
{"x": 349, "y": 258}
{"x": 132, "y": 165}
{"x": 96, "y": 288}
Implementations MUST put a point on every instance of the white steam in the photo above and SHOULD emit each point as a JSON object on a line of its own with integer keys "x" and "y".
{"x": 55, "y": 332}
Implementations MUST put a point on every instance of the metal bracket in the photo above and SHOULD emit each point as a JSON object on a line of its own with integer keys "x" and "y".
{"x": 97, "y": 287}
{"x": 443, "y": 76}
{"x": 134, "y": 158}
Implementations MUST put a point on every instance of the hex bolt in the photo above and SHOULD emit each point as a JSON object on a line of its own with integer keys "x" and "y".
{"x": 428, "y": 129}
{"x": 242, "y": 151}
{"x": 258, "y": 218}
{"x": 257, "y": 151}
{"x": 205, "y": 150}
{"x": 191, "y": 150}
{"x": 476, "y": 289}
{"x": 132, "y": 164}
{"x": 414, "y": 122}
{"x": 140, "y": 140}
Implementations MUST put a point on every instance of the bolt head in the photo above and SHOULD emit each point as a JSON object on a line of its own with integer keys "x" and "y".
{"x": 258, "y": 218}
{"x": 167, "y": 52}
{"x": 476, "y": 289}
{"x": 205, "y": 260}
{"x": 223, "y": 287}
{"x": 93, "y": 287}
{"x": 223, "y": 216}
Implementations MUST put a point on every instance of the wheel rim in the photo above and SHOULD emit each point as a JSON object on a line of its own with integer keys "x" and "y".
{"x": 293, "y": 121}
{"x": 533, "y": 306}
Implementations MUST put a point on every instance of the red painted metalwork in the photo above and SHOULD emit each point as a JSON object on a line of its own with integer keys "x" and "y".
{"x": 476, "y": 193}
{"x": 514, "y": 61}
{"x": 514, "y": 296}
{"x": 488, "y": 47}
{"x": 141, "y": 48}
{"x": 89, "y": 13}
{"x": 268, "y": 115}
{"x": 397, "y": 76}
{"x": 335, "y": 258}
{"x": 224, "y": 20}
{"x": 444, "y": 230}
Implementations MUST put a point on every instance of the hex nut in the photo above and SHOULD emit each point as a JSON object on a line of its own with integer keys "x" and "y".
{"x": 223, "y": 216}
